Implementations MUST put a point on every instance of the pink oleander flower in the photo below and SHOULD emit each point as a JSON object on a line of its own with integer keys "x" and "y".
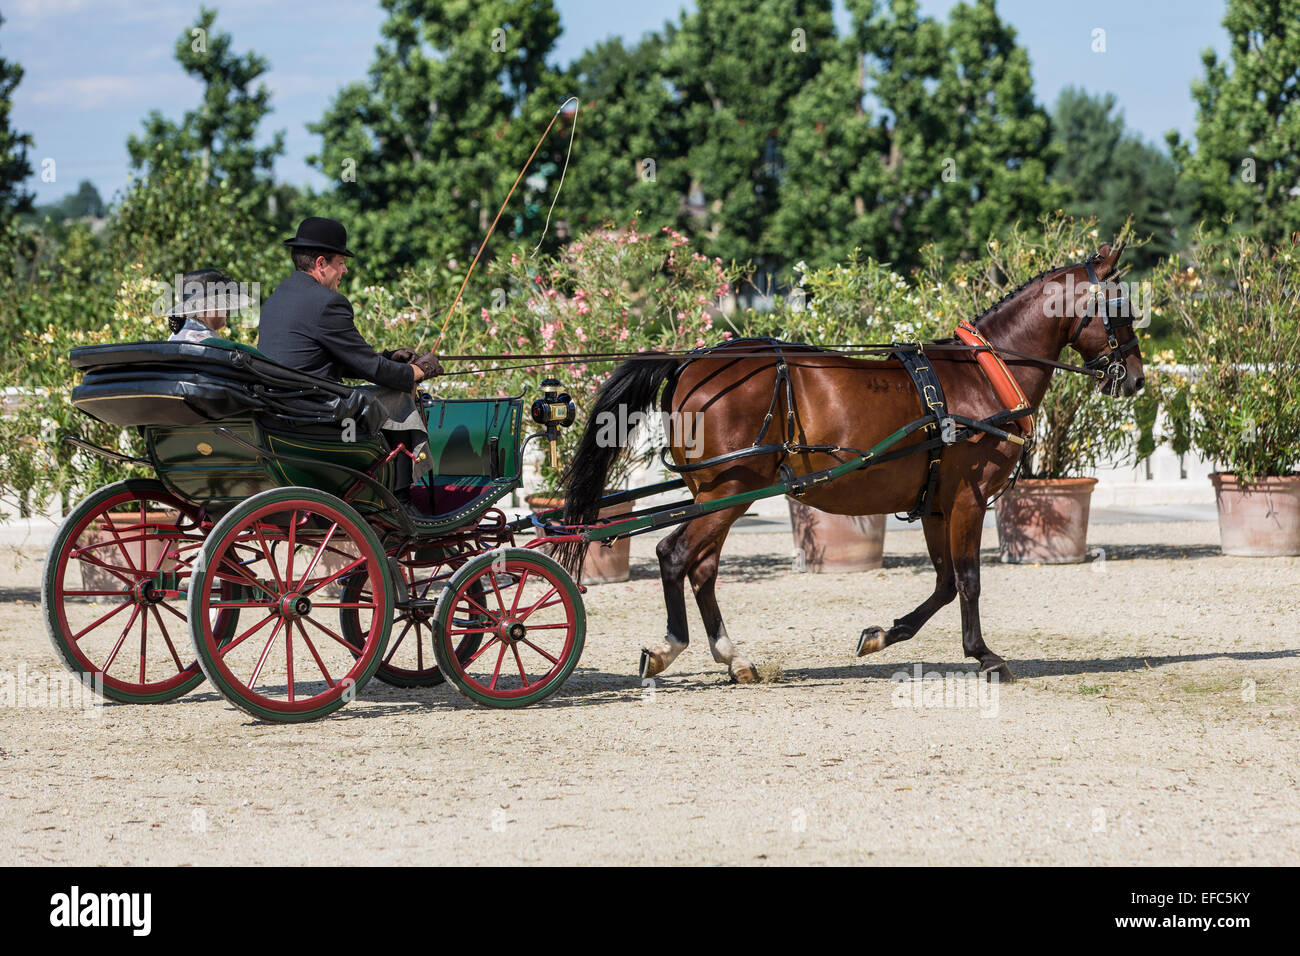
{"x": 583, "y": 308}
{"x": 485, "y": 314}
{"x": 726, "y": 336}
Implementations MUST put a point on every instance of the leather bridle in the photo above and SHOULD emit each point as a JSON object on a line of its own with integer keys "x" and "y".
{"x": 1112, "y": 360}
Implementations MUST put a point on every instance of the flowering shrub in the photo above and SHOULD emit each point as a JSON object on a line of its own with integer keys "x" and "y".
{"x": 615, "y": 290}
{"x": 36, "y": 466}
{"x": 1238, "y": 304}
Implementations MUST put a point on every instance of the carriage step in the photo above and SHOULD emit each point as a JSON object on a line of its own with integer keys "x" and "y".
{"x": 417, "y": 604}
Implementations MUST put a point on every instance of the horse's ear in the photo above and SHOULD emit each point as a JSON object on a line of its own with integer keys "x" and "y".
{"x": 1108, "y": 257}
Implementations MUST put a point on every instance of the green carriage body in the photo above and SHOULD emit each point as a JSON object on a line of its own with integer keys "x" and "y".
{"x": 176, "y": 394}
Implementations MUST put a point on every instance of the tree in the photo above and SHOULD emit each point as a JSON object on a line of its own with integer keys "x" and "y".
{"x": 946, "y": 146}
{"x": 423, "y": 152}
{"x": 218, "y": 137}
{"x": 1110, "y": 174}
{"x": 737, "y": 65}
{"x": 14, "y": 167}
{"x": 84, "y": 203}
{"x": 629, "y": 154}
{"x": 1246, "y": 165}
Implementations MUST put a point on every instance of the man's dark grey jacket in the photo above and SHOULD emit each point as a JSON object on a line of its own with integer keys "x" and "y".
{"x": 310, "y": 328}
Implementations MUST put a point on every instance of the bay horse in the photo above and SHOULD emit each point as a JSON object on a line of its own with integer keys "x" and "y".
{"x": 851, "y": 403}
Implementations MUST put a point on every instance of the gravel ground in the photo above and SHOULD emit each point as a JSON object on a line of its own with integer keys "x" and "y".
{"x": 1154, "y": 721}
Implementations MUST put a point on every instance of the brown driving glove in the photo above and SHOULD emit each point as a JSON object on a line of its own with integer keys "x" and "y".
{"x": 399, "y": 355}
{"x": 428, "y": 364}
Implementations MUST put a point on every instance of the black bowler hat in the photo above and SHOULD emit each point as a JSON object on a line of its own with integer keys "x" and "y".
{"x": 316, "y": 232}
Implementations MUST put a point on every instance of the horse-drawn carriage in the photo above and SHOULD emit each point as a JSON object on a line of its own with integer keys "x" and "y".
{"x": 270, "y": 534}
{"x": 271, "y": 512}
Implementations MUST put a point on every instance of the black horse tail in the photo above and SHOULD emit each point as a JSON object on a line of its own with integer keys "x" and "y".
{"x": 633, "y": 386}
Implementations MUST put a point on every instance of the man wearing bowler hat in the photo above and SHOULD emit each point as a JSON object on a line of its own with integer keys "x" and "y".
{"x": 308, "y": 325}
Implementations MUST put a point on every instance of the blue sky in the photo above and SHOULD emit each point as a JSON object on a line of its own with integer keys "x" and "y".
{"x": 95, "y": 68}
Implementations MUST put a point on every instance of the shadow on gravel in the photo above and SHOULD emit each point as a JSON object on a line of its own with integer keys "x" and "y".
{"x": 1028, "y": 667}
{"x": 29, "y": 595}
{"x": 759, "y": 567}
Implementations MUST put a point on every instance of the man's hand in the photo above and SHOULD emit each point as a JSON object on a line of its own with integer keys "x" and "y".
{"x": 399, "y": 355}
{"x": 428, "y": 365}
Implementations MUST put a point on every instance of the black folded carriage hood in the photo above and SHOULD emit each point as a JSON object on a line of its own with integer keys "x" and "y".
{"x": 184, "y": 383}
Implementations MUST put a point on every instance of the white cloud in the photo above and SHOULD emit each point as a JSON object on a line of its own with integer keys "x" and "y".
{"x": 90, "y": 92}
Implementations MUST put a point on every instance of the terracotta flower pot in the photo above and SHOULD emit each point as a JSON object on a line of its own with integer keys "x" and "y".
{"x": 827, "y": 542}
{"x": 1045, "y": 520}
{"x": 602, "y": 565}
{"x": 1261, "y": 519}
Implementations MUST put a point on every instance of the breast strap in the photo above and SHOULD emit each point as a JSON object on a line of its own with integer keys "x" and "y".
{"x": 999, "y": 376}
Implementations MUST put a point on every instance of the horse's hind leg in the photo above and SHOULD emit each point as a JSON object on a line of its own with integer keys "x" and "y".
{"x": 706, "y": 553}
{"x": 673, "y": 554}
{"x": 875, "y": 639}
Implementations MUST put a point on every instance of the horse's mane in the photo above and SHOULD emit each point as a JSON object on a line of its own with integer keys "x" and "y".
{"x": 1021, "y": 288}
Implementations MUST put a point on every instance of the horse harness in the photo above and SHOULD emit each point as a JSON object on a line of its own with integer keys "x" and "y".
{"x": 942, "y": 427}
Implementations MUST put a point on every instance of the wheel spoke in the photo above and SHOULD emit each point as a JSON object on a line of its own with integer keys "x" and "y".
{"x": 89, "y": 627}
{"x": 333, "y": 577}
{"x": 553, "y": 660}
{"x": 144, "y": 639}
{"x": 322, "y": 627}
{"x": 268, "y": 555}
{"x": 539, "y": 605}
{"x": 265, "y": 653}
{"x": 475, "y": 655}
{"x": 497, "y": 670}
{"x": 223, "y": 651}
{"x": 397, "y": 642}
{"x": 288, "y": 658}
{"x": 523, "y": 677}
{"x": 519, "y": 590}
{"x": 293, "y": 543}
{"x": 167, "y": 638}
{"x": 312, "y": 647}
{"x": 118, "y": 646}
{"x": 319, "y": 551}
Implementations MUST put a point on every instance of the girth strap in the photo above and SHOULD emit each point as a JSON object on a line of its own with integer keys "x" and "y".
{"x": 917, "y": 365}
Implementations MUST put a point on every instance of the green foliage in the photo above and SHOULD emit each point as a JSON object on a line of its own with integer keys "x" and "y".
{"x": 84, "y": 203}
{"x": 423, "y": 152}
{"x": 1238, "y": 303}
{"x": 628, "y": 157}
{"x": 1111, "y": 175}
{"x": 176, "y": 220}
{"x": 737, "y": 65}
{"x": 218, "y": 137}
{"x": 1247, "y": 155}
{"x": 947, "y": 145}
{"x": 14, "y": 167}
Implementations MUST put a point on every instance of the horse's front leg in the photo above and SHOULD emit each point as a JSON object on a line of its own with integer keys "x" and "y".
{"x": 966, "y": 526}
{"x": 877, "y": 638}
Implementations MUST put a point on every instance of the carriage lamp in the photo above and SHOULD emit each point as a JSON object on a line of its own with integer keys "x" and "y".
{"x": 554, "y": 410}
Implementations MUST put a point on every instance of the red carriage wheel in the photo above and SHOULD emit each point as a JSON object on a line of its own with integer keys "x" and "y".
{"x": 410, "y": 659}
{"x": 114, "y": 593}
{"x": 528, "y": 613}
{"x": 285, "y": 549}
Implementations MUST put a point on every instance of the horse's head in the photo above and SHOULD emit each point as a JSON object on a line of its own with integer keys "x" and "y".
{"x": 1098, "y": 320}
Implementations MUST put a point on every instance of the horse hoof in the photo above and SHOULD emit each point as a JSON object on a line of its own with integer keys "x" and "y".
{"x": 871, "y": 640}
{"x": 744, "y": 673}
{"x": 651, "y": 664}
{"x": 997, "y": 670}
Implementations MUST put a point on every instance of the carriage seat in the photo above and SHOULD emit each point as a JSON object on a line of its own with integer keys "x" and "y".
{"x": 187, "y": 383}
